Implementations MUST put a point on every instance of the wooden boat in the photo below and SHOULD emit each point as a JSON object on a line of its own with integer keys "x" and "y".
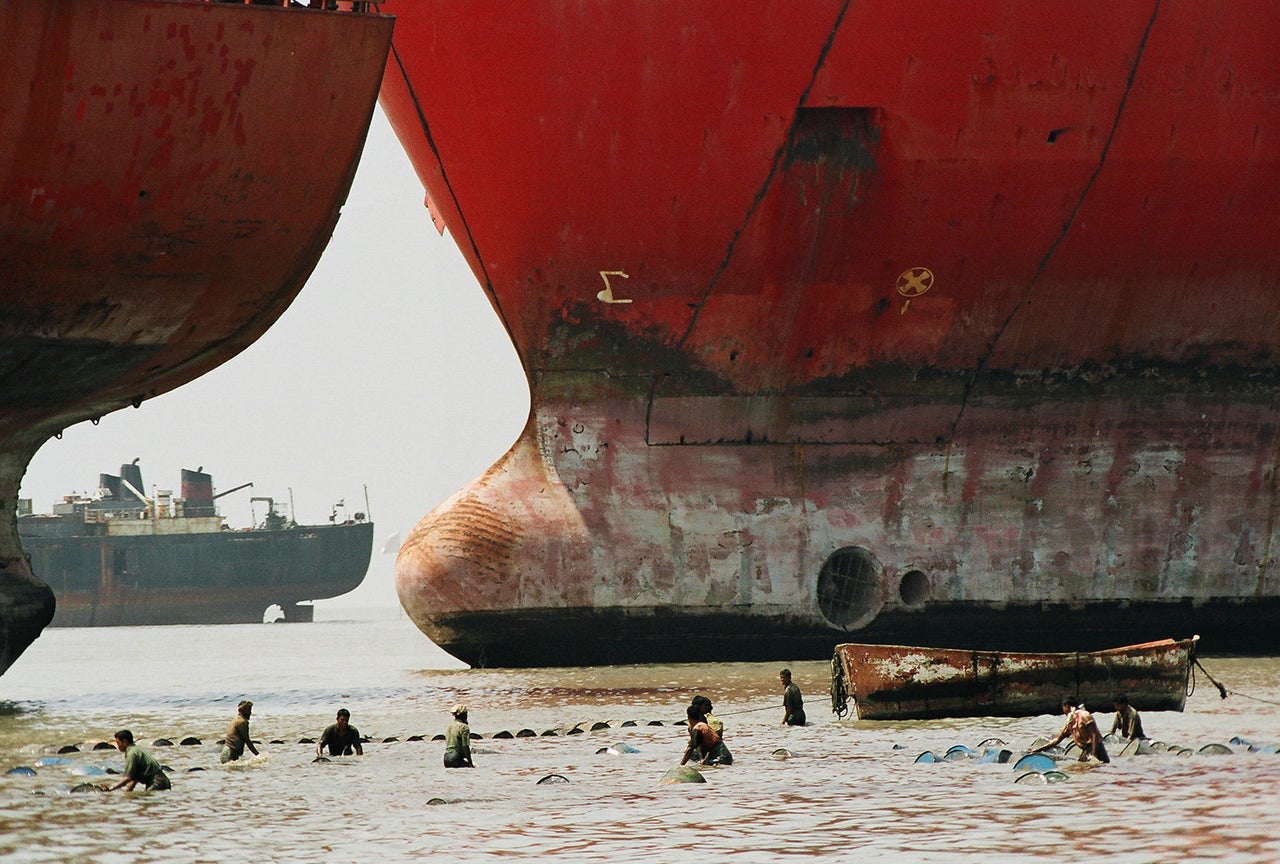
{"x": 899, "y": 682}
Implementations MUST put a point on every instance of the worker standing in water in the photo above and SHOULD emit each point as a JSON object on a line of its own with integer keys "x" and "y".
{"x": 1127, "y": 722}
{"x": 792, "y": 702}
{"x": 340, "y": 737}
{"x": 238, "y": 739}
{"x": 457, "y": 740}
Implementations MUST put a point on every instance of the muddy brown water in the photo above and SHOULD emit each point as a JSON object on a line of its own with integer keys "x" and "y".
{"x": 842, "y": 789}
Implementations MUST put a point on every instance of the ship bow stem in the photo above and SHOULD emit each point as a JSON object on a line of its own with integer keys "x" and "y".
{"x": 26, "y": 603}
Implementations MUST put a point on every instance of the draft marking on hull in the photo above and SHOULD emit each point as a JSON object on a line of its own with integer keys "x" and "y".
{"x": 607, "y": 294}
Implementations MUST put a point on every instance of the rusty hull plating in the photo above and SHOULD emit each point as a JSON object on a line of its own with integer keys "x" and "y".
{"x": 169, "y": 175}
{"x": 926, "y": 327}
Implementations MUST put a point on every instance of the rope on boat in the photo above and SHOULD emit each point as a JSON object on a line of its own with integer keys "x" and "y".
{"x": 1222, "y": 691}
{"x": 839, "y": 695}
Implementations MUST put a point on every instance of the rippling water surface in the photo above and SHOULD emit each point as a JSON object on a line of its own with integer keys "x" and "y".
{"x": 843, "y": 789}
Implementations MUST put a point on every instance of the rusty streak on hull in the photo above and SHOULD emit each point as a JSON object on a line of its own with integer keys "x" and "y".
{"x": 898, "y": 682}
{"x": 871, "y": 320}
{"x": 169, "y": 175}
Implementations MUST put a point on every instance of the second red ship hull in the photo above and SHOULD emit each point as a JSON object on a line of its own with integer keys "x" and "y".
{"x": 170, "y": 172}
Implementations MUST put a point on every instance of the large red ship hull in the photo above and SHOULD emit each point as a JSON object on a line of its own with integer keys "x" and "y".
{"x": 930, "y": 324}
{"x": 169, "y": 175}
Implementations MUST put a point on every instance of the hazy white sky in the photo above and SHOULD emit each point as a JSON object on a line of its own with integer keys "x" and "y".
{"x": 390, "y": 371}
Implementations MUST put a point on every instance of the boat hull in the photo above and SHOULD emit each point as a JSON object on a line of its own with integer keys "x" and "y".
{"x": 896, "y": 682}
{"x": 228, "y": 577}
{"x": 869, "y": 321}
{"x": 169, "y": 175}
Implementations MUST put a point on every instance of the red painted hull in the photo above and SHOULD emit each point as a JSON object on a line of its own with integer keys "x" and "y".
{"x": 931, "y": 321}
{"x": 169, "y": 174}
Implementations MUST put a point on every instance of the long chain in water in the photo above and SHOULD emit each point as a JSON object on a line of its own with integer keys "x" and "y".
{"x": 749, "y": 710}
{"x": 1254, "y": 698}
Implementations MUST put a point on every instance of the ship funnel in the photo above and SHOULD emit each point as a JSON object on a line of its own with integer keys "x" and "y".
{"x": 131, "y": 474}
{"x": 197, "y": 491}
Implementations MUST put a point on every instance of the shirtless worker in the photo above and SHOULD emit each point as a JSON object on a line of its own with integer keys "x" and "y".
{"x": 1083, "y": 730}
{"x": 340, "y": 737}
{"x": 716, "y": 724}
{"x": 238, "y": 734}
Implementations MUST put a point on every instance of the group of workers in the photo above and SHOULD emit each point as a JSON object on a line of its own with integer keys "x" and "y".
{"x": 1084, "y": 731}
{"x": 706, "y": 736}
{"x": 706, "y": 731}
{"x": 141, "y": 767}
{"x": 340, "y": 738}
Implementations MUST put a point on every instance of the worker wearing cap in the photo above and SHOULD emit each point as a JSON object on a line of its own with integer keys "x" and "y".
{"x": 457, "y": 740}
{"x": 237, "y": 738}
